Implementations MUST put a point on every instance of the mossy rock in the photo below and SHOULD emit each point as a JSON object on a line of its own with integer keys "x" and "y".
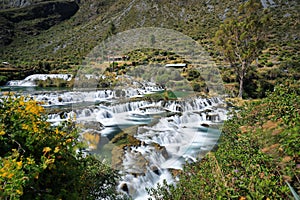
{"x": 161, "y": 149}
{"x": 124, "y": 139}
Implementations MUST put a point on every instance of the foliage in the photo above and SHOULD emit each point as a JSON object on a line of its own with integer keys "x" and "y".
{"x": 193, "y": 74}
{"x": 38, "y": 160}
{"x": 54, "y": 82}
{"x": 256, "y": 85}
{"x": 3, "y": 80}
{"x": 241, "y": 38}
{"x": 111, "y": 30}
{"x": 258, "y": 153}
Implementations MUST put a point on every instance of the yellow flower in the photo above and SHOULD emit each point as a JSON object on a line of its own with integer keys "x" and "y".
{"x": 2, "y": 132}
{"x": 33, "y": 108}
{"x": 69, "y": 140}
{"x": 10, "y": 175}
{"x": 7, "y": 164}
{"x": 46, "y": 149}
{"x": 25, "y": 127}
{"x": 30, "y": 161}
{"x": 19, "y": 192}
{"x": 49, "y": 161}
{"x": 19, "y": 164}
{"x": 35, "y": 128}
{"x": 4, "y": 174}
{"x": 56, "y": 149}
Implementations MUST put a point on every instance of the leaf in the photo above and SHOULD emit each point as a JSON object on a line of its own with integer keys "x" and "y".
{"x": 296, "y": 196}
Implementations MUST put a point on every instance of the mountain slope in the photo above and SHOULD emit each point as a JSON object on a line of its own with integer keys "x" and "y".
{"x": 31, "y": 20}
{"x": 63, "y": 44}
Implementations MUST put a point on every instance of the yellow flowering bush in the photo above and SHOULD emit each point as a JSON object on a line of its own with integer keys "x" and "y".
{"x": 38, "y": 160}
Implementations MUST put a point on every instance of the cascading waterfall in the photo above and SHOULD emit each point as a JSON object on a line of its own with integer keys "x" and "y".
{"x": 148, "y": 176}
{"x": 181, "y": 136}
{"x": 29, "y": 81}
{"x": 21, "y": 83}
{"x": 129, "y": 106}
{"x": 170, "y": 132}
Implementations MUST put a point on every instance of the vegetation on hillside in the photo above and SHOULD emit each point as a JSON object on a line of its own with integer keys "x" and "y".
{"x": 64, "y": 45}
{"x": 257, "y": 156}
{"x": 38, "y": 160}
{"x": 242, "y": 37}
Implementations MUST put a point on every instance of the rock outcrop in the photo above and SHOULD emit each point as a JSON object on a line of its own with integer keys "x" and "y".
{"x": 33, "y": 19}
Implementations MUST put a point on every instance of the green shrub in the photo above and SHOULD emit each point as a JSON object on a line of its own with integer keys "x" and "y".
{"x": 3, "y": 80}
{"x": 38, "y": 160}
{"x": 269, "y": 64}
{"x": 193, "y": 74}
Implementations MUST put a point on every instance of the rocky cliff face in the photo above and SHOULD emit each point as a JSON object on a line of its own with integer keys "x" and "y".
{"x": 5, "y": 4}
{"x": 33, "y": 18}
{"x": 61, "y": 10}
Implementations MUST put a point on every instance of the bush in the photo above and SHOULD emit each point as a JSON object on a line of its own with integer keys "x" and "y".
{"x": 269, "y": 64}
{"x": 257, "y": 85}
{"x": 193, "y": 74}
{"x": 3, "y": 80}
{"x": 38, "y": 160}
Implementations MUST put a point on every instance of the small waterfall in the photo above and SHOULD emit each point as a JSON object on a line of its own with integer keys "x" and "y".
{"x": 54, "y": 118}
{"x": 21, "y": 83}
{"x": 29, "y": 81}
{"x": 129, "y": 106}
{"x": 104, "y": 114}
{"x": 143, "y": 173}
{"x": 104, "y": 94}
{"x": 86, "y": 114}
{"x": 44, "y": 77}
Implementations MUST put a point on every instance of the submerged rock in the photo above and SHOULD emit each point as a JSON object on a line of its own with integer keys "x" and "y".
{"x": 155, "y": 169}
{"x": 124, "y": 188}
{"x": 205, "y": 125}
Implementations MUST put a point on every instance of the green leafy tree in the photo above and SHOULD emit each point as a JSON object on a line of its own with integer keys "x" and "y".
{"x": 242, "y": 37}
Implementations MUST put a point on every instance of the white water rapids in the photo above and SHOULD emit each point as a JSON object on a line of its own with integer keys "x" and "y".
{"x": 181, "y": 130}
{"x": 171, "y": 132}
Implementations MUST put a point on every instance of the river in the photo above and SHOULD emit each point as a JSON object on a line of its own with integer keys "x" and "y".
{"x": 168, "y": 133}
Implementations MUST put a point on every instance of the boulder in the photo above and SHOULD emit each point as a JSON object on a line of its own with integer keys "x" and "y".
{"x": 162, "y": 150}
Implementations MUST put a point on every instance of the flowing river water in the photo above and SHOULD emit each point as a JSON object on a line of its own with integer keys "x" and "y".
{"x": 169, "y": 133}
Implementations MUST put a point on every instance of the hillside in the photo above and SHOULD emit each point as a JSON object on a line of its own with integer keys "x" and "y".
{"x": 257, "y": 156}
{"x": 58, "y": 39}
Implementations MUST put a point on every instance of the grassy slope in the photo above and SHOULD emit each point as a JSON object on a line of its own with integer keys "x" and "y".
{"x": 71, "y": 40}
{"x": 258, "y": 153}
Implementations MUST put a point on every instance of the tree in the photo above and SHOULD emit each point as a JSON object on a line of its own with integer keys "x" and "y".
{"x": 242, "y": 37}
{"x": 111, "y": 30}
